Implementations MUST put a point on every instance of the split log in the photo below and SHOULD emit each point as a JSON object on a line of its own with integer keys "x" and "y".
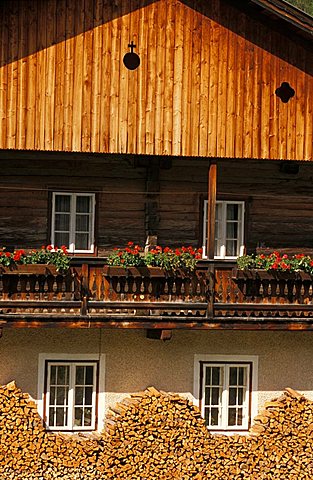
{"x": 154, "y": 435}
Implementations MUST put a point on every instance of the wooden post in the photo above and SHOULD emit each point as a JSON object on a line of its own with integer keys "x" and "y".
{"x": 212, "y": 178}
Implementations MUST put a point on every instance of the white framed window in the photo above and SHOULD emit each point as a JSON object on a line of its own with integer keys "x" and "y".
{"x": 229, "y": 229}
{"x": 71, "y": 395}
{"x": 73, "y": 219}
{"x": 227, "y": 391}
{"x": 70, "y": 391}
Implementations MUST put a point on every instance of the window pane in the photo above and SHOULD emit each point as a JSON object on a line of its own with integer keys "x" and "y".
{"x": 62, "y": 222}
{"x": 240, "y": 396}
{"x": 208, "y": 374}
{"x": 216, "y": 371}
{"x": 53, "y": 374}
{"x": 232, "y": 230}
{"x": 79, "y": 395}
{"x": 211, "y": 416}
{"x": 61, "y": 239}
{"x": 88, "y": 396}
{"x": 63, "y": 374}
{"x": 80, "y": 375}
{"x": 62, "y": 203}
{"x": 83, "y": 204}
{"x": 52, "y": 395}
{"x": 82, "y": 223}
{"x": 89, "y": 375}
{"x": 231, "y": 248}
{"x": 78, "y": 417}
{"x": 232, "y": 417}
{"x": 233, "y": 376}
{"x": 232, "y": 212}
{"x": 87, "y": 417}
{"x": 233, "y": 396}
{"x": 61, "y": 417}
{"x": 241, "y": 376}
{"x": 215, "y": 398}
{"x": 239, "y": 416}
{"x": 82, "y": 241}
{"x": 61, "y": 395}
{"x": 51, "y": 417}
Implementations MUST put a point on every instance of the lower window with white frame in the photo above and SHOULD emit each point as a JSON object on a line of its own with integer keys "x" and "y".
{"x": 68, "y": 391}
{"x": 71, "y": 390}
{"x": 227, "y": 392}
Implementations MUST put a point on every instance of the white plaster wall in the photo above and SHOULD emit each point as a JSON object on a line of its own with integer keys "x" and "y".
{"x": 134, "y": 362}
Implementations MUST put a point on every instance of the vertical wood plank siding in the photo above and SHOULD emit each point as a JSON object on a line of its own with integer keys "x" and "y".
{"x": 205, "y": 86}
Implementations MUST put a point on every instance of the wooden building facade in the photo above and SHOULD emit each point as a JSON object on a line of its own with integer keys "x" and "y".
{"x": 213, "y": 129}
{"x": 205, "y": 87}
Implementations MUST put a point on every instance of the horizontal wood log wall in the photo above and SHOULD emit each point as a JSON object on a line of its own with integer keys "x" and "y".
{"x": 279, "y": 207}
{"x": 205, "y": 86}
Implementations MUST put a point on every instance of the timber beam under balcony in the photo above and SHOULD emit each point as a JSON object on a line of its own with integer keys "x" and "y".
{"x": 158, "y": 323}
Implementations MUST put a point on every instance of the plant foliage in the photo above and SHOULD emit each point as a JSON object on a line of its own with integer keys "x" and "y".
{"x": 183, "y": 258}
{"x": 276, "y": 262}
{"x": 45, "y": 255}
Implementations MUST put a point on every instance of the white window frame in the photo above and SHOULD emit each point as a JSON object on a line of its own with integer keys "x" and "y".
{"x": 240, "y": 238}
{"x": 72, "y": 229}
{"x": 251, "y": 400}
{"x": 98, "y": 414}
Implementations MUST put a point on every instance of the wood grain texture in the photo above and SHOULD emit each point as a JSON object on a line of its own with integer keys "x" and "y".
{"x": 205, "y": 86}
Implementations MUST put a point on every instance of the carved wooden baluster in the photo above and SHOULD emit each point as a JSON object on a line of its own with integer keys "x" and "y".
{"x": 30, "y": 288}
{"x": 310, "y": 292}
{"x": 98, "y": 288}
{"x": 174, "y": 290}
{"x": 226, "y": 287}
{"x": 67, "y": 281}
{"x": 304, "y": 287}
{"x": 218, "y": 289}
{"x": 59, "y": 280}
{"x": 183, "y": 282}
{"x": 92, "y": 284}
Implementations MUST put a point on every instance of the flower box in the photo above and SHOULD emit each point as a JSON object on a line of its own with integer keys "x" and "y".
{"x": 29, "y": 269}
{"x": 260, "y": 274}
{"x": 117, "y": 271}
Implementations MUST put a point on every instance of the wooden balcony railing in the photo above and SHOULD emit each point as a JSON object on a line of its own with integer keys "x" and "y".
{"x": 214, "y": 295}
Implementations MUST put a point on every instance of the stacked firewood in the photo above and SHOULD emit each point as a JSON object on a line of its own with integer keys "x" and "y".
{"x": 154, "y": 435}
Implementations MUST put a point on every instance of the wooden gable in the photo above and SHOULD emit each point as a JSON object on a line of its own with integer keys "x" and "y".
{"x": 205, "y": 85}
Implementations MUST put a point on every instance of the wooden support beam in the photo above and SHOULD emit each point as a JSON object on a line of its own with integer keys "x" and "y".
{"x": 212, "y": 181}
{"x": 159, "y": 334}
{"x": 164, "y": 323}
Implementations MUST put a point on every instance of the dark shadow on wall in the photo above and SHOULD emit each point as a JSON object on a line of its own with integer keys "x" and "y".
{"x": 28, "y": 26}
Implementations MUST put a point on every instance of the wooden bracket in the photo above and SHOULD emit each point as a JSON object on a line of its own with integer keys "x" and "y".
{"x": 159, "y": 334}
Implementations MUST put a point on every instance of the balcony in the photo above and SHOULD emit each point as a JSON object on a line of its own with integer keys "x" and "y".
{"x": 215, "y": 296}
